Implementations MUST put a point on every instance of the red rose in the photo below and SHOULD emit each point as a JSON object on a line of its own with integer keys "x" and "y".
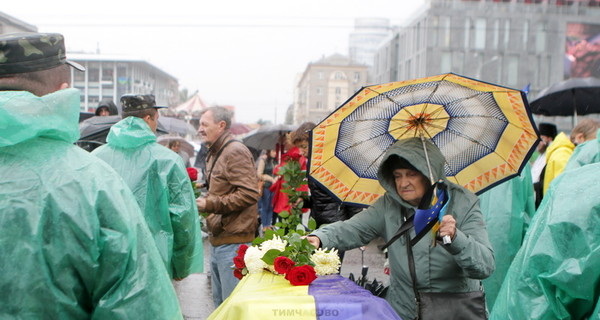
{"x": 302, "y": 275}
{"x": 239, "y": 262}
{"x": 238, "y": 274}
{"x": 241, "y": 251}
{"x": 192, "y": 173}
{"x": 283, "y": 265}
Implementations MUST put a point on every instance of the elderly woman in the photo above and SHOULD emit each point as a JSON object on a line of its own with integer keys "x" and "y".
{"x": 455, "y": 267}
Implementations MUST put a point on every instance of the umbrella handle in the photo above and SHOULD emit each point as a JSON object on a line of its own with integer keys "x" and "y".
{"x": 446, "y": 239}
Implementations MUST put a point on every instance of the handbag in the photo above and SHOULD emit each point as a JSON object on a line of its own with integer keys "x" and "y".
{"x": 445, "y": 305}
{"x": 452, "y": 305}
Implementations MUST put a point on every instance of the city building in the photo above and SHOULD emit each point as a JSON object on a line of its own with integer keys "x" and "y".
{"x": 367, "y": 36}
{"x": 325, "y": 85}
{"x": 523, "y": 44}
{"x": 109, "y": 77}
{"x": 515, "y": 43}
{"x": 9, "y": 24}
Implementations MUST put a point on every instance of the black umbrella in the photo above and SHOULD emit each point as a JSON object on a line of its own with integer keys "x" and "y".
{"x": 94, "y": 130}
{"x": 267, "y": 137}
{"x": 572, "y": 97}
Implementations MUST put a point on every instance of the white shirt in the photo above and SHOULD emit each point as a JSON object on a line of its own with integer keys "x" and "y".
{"x": 537, "y": 167}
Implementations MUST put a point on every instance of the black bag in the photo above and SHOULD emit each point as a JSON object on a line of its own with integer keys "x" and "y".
{"x": 450, "y": 306}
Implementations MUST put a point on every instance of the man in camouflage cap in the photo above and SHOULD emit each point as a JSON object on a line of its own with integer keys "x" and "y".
{"x": 27, "y": 52}
{"x": 73, "y": 237}
{"x": 160, "y": 183}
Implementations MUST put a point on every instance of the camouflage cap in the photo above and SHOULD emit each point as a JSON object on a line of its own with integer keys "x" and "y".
{"x": 135, "y": 102}
{"x": 28, "y": 52}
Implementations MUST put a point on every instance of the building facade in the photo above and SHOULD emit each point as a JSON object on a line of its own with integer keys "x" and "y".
{"x": 367, "y": 36}
{"x": 515, "y": 43}
{"x": 110, "y": 77}
{"x": 9, "y": 24}
{"x": 325, "y": 85}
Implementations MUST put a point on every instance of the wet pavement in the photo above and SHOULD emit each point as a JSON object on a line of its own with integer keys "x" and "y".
{"x": 195, "y": 295}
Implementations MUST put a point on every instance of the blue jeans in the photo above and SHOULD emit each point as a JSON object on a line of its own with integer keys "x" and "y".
{"x": 265, "y": 204}
{"x": 221, "y": 278}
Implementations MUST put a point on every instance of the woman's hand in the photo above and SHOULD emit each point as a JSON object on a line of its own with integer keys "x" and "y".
{"x": 447, "y": 227}
{"x": 314, "y": 240}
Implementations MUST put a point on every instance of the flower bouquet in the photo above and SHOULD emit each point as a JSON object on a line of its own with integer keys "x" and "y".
{"x": 286, "y": 254}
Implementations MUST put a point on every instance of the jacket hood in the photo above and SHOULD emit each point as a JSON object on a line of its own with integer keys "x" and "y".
{"x": 130, "y": 132}
{"x": 24, "y": 116}
{"x": 108, "y": 104}
{"x": 560, "y": 141}
{"x": 412, "y": 150}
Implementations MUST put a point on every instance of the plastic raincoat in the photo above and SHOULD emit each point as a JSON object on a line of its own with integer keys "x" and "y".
{"x": 556, "y": 272}
{"x": 73, "y": 242}
{"x": 163, "y": 190}
{"x": 557, "y": 156}
{"x": 457, "y": 267}
{"x": 585, "y": 153}
{"x": 507, "y": 209}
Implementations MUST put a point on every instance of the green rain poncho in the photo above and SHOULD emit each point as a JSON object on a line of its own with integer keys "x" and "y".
{"x": 507, "y": 209}
{"x": 163, "y": 189}
{"x": 73, "y": 242}
{"x": 556, "y": 273}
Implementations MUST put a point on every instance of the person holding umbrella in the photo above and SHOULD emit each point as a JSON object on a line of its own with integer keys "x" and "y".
{"x": 456, "y": 267}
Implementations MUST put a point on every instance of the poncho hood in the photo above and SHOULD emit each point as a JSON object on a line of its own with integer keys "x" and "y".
{"x": 24, "y": 116}
{"x": 131, "y": 132}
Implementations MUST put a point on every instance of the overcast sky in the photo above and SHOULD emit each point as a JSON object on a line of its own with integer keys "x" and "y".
{"x": 244, "y": 53}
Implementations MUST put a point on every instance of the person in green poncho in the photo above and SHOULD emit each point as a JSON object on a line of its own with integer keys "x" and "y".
{"x": 160, "y": 183}
{"x": 556, "y": 272}
{"x": 507, "y": 210}
{"x": 73, "y": 241}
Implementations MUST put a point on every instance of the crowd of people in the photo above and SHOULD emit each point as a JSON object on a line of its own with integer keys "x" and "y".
{"x": 104, "y": 235}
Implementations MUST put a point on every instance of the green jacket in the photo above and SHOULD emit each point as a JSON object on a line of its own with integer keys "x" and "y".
{"x": 162, "y": 188}
{"x": 555, "y": 274}
{"x": 457, "y": 267}
{"x": 73, "y": 242}
{"x": 584, "y": 154}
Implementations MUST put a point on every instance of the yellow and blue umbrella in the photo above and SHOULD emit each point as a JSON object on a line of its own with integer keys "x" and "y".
{"x": 485, "y": 132}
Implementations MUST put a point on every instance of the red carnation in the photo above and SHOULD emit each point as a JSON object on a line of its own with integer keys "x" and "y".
{"x": 239, "y": 262}
{"x": 283, "y": 265}
{"x": 302, "y": 275}
{"x": 241, "y": 251}
{"x": 238, "y": 274}
{"x": 192, "y": 173}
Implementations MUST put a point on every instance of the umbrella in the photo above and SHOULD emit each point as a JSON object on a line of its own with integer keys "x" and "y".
{"x": 185, "y": 145}
{"x": 267, "y": 137}
{"x": 484, "y": 131}
{"x": 572, "y": 97}
{"x": 96, "y": 128}
{"x": 174, "y": 125}
{"x": 239, "y": 128}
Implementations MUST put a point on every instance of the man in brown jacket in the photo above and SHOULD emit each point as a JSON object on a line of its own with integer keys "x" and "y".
{"x": 231, "y": 199}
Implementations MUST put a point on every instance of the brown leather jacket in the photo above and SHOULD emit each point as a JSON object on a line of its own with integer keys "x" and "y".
{"x": 232, "y": 193}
